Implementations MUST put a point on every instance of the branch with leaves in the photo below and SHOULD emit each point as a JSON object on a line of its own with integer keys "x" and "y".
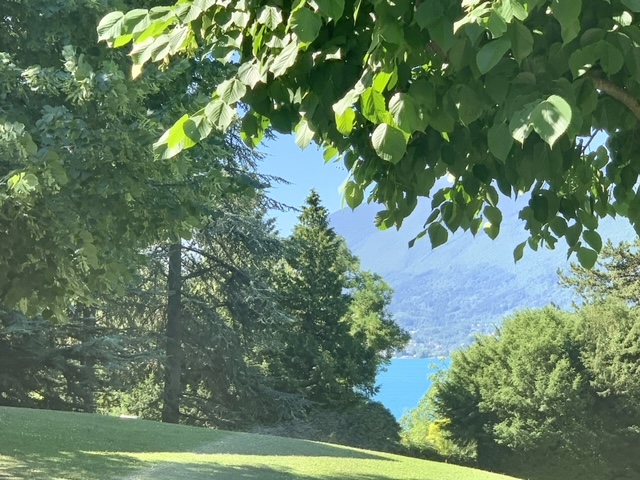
{"x": 498, "y": 105}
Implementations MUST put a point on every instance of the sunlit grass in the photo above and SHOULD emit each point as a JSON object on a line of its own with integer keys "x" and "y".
{"x": 37, "y": 444}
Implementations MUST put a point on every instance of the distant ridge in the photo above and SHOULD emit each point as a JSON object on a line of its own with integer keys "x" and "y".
{"x": 445, "y": 296}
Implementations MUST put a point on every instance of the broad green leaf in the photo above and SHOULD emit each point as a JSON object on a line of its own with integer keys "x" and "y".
{"x": 510, "y": 9}
{"x": 558, "y": 226}
{"x": 521, "y": 41}
{"x": 304, "y": 133}
{"x": 110, "y": 27}
{"x": 493, "y": 214}
{"x": 633, "y": 5}
{"x": 197, "y": 128}
{"x": 551, "y": 118}
{"x": 250, "y": 74}
{"x": 438, "y": 235}
{"x": 381, "y": 80}
{"x": 568, "y": 15}
{"x": 230, "y": 91}
{"x": 593, "y": 239}
{"x": 176, "y": 134}
{"x": 518, "y": 252}
{"x": 587, "y": 257}
{"x": 520, "y": 124}
{"x": 345, "y": 121}
{"x": 271, "y": 17}
{"x": 332, "y": 9}
{"x": 470, "y": 108}
{"x": 491, "y": 53}
{"x": 159, "y": 49}
{"x": 540, "y": 206}
{"x": 389, "y": 143}
{"x": 219, "y": 114}
{"x": 496, "y": 25}
{"x": 405, "y": 113}
{"x": 353, "y": 194}
{"x": 177, "y": 38}
{"x": 373, "y": 105}
{"x": 306, "y": 24}
{"x": 611, "y": 58}
{"x": 285, "y": 59}
{"x": 492, "y": 230}
{"x": 500, "y": 141}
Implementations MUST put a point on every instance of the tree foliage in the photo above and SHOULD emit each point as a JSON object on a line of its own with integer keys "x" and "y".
{"x": 499, "y": 96}
{"x": 81, "y": 193}
{"x": 551, "y": 395}
{"x": 340, "y": 331}
{"x": 617, "y": 274}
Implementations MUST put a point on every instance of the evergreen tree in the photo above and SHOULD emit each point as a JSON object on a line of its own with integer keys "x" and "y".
{"x": 333, "y": 345}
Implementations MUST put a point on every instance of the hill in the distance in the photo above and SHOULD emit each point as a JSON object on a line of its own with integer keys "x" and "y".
{"x": 445, "y": 296}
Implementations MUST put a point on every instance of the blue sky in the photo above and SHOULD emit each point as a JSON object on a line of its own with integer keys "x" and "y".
{"x": 305, "y": 169}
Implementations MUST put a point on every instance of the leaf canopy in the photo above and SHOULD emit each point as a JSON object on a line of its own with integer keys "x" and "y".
{"x": 502, "y": 95}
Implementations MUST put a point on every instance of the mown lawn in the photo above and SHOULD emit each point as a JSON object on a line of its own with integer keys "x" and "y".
{"x": 39, "y": 444}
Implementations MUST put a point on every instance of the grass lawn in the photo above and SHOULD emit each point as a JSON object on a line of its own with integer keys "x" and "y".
{"x": 40, "y": 444}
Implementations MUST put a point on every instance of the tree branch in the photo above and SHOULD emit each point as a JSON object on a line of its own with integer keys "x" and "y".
{"x": 617, "y": 92}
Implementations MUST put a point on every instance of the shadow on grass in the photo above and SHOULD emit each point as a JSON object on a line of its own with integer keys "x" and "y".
{"x": 252, "y": 444}
{"x": 68, "y": 465}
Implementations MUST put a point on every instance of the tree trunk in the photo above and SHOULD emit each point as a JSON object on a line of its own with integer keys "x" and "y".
{"x": 88, "y": 382}
{"x": 173, "y": 362}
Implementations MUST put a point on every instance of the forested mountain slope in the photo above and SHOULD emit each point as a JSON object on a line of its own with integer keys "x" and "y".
{"x": 445, "y": 296}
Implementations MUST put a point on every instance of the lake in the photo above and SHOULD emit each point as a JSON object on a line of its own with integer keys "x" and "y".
{"x": 406, "y": 381}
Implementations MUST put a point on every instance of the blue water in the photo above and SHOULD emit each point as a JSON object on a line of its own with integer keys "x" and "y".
{"x": 406, "y": 381}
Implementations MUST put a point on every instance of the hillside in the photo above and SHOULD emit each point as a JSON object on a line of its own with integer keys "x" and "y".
{"x": 445, "y": 296}
{"x": 40, "y": 444}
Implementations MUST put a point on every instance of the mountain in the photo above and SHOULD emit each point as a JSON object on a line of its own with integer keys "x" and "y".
{"x": 443, "y": 297}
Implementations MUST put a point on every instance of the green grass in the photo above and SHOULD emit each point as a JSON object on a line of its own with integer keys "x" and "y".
{"x": 39, "y": 444}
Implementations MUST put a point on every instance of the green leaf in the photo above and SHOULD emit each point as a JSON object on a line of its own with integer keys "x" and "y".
{"x": 381, "y": 80}
{"x": 500, "y": 141}
{"x": 520, "y": 124}
{"x": 219, "y": 114}
{"x": 332, "y": 9}
{"x": 250, "y": 74}
{"x": 304, "y": 134}
{"x": 496, "y": 25}
{"x": 518, "y": 252}
{"x": 491, "y": 53}
{"x": 389, "y": 143}
{"x": 306, "y": 24}
{"x": 345, "y": 121}
{"x": 633, "y": 5}
{"x": 353, "y": 194}
{"x": 405, "y": 113}
{"x": 521, "y": 41}
{"x": 437, "y": 234}
{"x": 373, "y": 105}
{"x": 110, "y": 27}
{"x": 493, "y": 214}
{"x": 587, "y": 257}
{"x": 285, "y": 59}
{"x": 230, "y": 91}
{"x": 611, "y": 58}
{"x": 558, "y": 226}
{"x": 470, "y": 108}
{"x": 568, "y": 15}
{"x": 551, "y": 118}
{"x": 492, "y": 230}
{"x": 540, "y": 206}
{"x": 593, "y": 239}
{"x": 270, "y": 17}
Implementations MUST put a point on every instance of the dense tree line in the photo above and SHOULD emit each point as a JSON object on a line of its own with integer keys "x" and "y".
{"x": 552, "y": 394}
{"x": 158, "y": 287}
